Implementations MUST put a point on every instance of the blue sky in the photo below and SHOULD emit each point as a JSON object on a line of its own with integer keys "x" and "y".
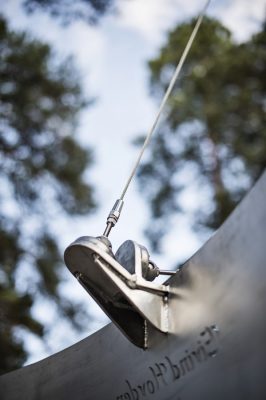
{"x": 113, "y": 61}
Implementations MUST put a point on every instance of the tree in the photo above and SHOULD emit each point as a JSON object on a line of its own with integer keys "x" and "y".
{"x": 67, "y": 11}
{"x": 212, "y": 141}
{"x": 42, "y": 169}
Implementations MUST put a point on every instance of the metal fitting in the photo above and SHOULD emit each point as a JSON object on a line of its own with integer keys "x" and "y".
{"x": 113, "y": 216}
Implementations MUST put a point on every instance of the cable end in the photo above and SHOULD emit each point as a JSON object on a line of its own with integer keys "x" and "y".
{"x": 113, "y": 216}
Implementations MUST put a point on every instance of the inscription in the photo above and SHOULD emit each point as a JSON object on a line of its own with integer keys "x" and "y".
{"x": 171, "y": 369}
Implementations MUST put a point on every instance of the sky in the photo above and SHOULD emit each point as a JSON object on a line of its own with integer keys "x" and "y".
{"x": 112, "y": 58}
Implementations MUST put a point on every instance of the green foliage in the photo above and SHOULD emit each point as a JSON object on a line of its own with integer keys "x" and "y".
{"x": 67, "y": 11}
{"x": 213, "y": 138}
{"x": 41, "y": 173}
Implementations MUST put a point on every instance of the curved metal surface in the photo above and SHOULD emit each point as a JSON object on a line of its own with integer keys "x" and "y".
{"x": 216, "y": 345}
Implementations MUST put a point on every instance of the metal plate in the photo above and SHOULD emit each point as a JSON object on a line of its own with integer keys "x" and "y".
{"x": 216, "y": 345}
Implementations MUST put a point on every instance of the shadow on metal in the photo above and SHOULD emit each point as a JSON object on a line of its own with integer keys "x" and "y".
{"x": 121, "y": 285}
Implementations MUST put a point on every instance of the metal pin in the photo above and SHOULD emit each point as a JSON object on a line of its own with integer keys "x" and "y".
{"x": 165, "y": 272}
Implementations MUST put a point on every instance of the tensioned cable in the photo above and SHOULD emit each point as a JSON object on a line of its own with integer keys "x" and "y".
{"x": 116, "y": 210}
{"x": 167, "y": 93}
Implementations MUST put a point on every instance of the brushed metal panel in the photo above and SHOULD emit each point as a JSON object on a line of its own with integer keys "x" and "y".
{"x": 216, "y": 345}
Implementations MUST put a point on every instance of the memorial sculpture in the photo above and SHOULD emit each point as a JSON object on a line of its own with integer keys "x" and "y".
{"x": 214, "y": 347}
{"x": 199, "y": 335}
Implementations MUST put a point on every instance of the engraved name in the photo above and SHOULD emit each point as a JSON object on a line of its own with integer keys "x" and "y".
{"x": 170, "y": 370}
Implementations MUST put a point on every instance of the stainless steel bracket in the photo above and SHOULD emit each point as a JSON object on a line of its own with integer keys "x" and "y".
{"x": 117, "y": 284}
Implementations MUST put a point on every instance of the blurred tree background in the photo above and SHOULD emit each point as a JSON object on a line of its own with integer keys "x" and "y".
{"x": 211, "y": 143}
{"x": 67, "y": 11}
{"x": 41, "y": 173}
